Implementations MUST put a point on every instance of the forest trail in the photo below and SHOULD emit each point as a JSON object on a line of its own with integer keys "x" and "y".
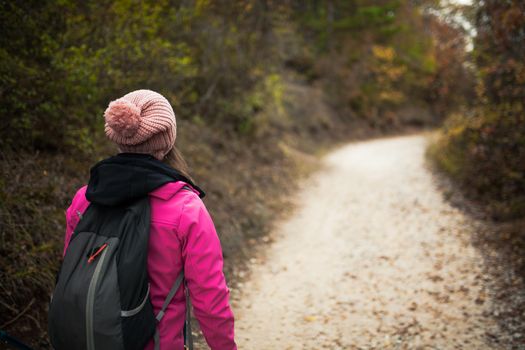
{"x": 372, "y": 258}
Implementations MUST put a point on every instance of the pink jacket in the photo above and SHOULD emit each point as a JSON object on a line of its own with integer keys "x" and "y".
{"x": 182, "y": 236}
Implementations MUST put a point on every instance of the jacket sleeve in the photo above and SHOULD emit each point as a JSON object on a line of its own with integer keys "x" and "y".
{"x": 203, "y": 264}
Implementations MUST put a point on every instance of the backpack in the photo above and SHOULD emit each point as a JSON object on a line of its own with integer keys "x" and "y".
{"x": 101, "y": 298}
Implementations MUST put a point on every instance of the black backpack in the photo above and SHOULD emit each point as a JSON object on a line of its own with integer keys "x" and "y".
{"x": 101, "y": 298}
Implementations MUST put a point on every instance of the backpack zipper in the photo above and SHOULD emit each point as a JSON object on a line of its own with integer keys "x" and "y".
{"x": 90, "y": 336}
{"x": 99, "y": 250}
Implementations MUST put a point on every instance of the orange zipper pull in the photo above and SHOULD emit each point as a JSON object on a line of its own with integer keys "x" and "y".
{"x": 92, "y": 257}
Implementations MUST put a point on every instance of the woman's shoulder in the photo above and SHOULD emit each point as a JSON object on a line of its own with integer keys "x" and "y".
{"x": 174, "y": 190}
{"x": 171, "y": 201}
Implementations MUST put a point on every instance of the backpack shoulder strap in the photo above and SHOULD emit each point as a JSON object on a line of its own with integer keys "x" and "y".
{"x": 167, "y": 301}
{"x": 170, "y": 296}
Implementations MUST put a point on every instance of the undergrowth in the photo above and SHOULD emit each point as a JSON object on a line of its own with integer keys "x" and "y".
{"x": 485, "y": 155}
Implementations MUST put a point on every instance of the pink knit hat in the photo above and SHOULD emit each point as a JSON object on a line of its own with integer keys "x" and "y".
{"x": 142, "y": 121}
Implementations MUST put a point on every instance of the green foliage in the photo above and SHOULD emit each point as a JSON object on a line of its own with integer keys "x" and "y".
{"x": 60, "y": 68}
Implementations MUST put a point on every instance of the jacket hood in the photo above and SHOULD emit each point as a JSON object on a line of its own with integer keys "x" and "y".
{"x": 129, "y": 176}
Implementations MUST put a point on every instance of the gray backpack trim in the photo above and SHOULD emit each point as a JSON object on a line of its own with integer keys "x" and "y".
{"x": 129, "y": 313}
{"x": 90, "y": 336}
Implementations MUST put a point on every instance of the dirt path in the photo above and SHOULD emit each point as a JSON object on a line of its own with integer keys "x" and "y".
{"x": 373, "y": 258}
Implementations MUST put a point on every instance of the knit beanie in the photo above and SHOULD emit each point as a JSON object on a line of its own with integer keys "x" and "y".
{"x": 142, "y": 121}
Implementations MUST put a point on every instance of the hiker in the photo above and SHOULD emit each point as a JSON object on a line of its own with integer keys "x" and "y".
{"x": 183, "y": 250}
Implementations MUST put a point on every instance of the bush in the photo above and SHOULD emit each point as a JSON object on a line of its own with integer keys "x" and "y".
{"x": 486, "y": 155}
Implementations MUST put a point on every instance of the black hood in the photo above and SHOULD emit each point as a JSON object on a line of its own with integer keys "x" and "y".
{"x": 129, "y": 176}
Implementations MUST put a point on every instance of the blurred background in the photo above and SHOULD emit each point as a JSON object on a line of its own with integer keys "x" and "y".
{"x": 260, "y": 89}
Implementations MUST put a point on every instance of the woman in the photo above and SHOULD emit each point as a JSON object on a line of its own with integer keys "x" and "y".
{"x": 182, "y": 235}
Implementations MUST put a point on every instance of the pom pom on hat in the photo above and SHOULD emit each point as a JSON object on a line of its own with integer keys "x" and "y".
{"x": 123, "y": 117}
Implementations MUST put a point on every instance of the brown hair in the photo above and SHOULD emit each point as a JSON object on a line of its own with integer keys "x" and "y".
{"x": 175, "y": 159}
